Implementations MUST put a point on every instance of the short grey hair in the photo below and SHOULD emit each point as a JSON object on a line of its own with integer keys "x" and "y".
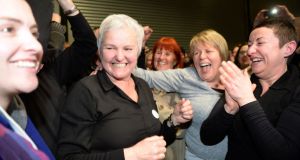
{"x": 116, "y": 21}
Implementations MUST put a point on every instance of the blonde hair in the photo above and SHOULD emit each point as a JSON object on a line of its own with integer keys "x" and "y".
{"x": 213, "y": 38}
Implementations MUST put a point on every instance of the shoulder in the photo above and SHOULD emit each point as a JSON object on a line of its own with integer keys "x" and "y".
{"x": 140, "y": 82}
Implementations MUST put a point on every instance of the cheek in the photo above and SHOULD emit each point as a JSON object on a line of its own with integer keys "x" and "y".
{"x": 216, "y": 58}
{"x": 133, "y": 55}
{"x": 172, "y": 59}
{"x": 105, "y": 56}
{"x": 195, "y": 59}
{"x": 156, "y": 57}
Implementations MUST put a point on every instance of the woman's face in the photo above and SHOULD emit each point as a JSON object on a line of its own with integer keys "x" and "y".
{"x": 207, "y": 61}
{"x": 149, "y": 60}
{"x": 20, "y": 52}
{"x": 119, "y": 53}
{"x": 164, "y": 59}
{"x": 266, "y": 56}
{"x": 243, "y": 58}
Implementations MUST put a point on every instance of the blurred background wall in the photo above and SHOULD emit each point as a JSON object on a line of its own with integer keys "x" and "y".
{"x": 182, "y": 19}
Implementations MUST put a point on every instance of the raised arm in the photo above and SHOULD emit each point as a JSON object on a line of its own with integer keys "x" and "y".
{"x": 75, "y": 61}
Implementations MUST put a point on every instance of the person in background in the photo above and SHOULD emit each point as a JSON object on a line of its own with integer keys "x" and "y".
{"x": 275, "y": 12}
{"x": 241, "y": 59}
{"x": 187, "y": 61}
{"x": 200, "y": 84}
{"x": 168, "y": 55}
{"x": 112, "y": 115}
{"x": 145, "y": 52}
{"x": 264, "y": 123}
{"x": 20, "y": 57}
{"x": 149, "y": 60}
{"x": 234, "y": 52}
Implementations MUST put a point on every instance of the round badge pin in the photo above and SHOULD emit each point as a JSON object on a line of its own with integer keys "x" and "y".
{"x": 155, "y": 114}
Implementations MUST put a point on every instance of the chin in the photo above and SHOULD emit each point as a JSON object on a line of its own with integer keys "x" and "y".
{"x": 29, "y": 86}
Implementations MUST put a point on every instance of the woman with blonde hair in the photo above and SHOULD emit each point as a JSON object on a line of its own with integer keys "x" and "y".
{"x": 200, "y": 84}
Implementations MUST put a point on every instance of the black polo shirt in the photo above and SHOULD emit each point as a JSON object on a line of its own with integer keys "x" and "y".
{"x": 99, "y": 119}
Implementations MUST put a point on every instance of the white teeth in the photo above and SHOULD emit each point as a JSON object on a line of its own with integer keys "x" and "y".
{"x": 26, "y": 64}
{"x": 256, "y": 59}
{"x": 161, "y": 63}
{"x": 119, "y": 65}
{"x": 205, "y": 65}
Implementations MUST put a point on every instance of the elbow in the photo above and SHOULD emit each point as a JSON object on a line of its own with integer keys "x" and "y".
{"x": 209, "y": 136}
{"x": 206, "y": 139}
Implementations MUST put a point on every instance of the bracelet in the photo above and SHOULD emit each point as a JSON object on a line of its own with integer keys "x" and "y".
{"x": 71, "y": 11}
{"x": 170, "y": 123}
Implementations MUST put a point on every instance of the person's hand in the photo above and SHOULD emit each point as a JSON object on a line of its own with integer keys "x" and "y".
{"x": 56, "y": 17}
{"x": 183, "y": 112}
{"x": 68, "y": 5}
{"x": 151, "y": 148}
{"x": 237, "y": 83}
{"x": 147, "y": 34}
{"x": 231, "y": 106}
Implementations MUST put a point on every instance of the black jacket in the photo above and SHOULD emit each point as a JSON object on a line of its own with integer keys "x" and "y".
{"x": 44, "y": 104}
{"x": 268, "y": 128}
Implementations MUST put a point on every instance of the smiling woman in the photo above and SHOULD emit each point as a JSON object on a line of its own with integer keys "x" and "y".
{"x": 260, "y": 114}
{"x": 112, "y": 115}
{"x": 20, "y": 56}
{"x": 200, "y": 84}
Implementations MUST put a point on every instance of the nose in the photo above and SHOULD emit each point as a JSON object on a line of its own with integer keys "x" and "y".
{"x": 31, "y": 44}
{"x": 162, "y": 56}
{"x": 251, "y": 50}
{"x": 202, "y": 55}
{"x": 119, "y": 55}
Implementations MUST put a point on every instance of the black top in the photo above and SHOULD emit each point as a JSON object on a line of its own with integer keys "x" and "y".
{"x": 44, "y": 104}
{"x": 99, "y": 119}
{"x": 268, "y": 128}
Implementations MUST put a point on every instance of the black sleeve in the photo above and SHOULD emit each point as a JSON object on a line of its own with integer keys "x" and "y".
{"x": 169, "y": 133}
{"x": 141, "y": 60}
{"x": 281, "y": 141}
{"x": 217, "y": 124}
{"x": 76, "y": 129}
{"x": 75, "y": 60}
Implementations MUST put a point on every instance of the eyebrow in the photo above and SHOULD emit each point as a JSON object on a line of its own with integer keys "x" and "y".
{"x": 259, "y": 38}
{"x": 17, "y": 21}
{"x": 10, "y": 19}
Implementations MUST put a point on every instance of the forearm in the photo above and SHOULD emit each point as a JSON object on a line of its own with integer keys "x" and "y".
{"x": 273, "y": 142}
{"x": 169, "y": 133}
{"x": 111, "y": 155}
{"x": 75, "y": 60}
{"x": 215, "y": 128}
{"x": 168, "y": 81}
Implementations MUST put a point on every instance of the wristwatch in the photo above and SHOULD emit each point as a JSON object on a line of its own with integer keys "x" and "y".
{"x": 68, "y": 12}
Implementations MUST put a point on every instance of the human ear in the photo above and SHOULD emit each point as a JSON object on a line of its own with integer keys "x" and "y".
{"x": 290, "y": 48}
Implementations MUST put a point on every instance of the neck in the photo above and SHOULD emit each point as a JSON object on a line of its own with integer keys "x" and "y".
{"x": 5, "y": 101}
{"x": 270, "y": 80}
{"x": 216, "y": 85}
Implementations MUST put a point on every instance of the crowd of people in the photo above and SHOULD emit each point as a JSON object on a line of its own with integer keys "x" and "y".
{"x": 109, "y": 96}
